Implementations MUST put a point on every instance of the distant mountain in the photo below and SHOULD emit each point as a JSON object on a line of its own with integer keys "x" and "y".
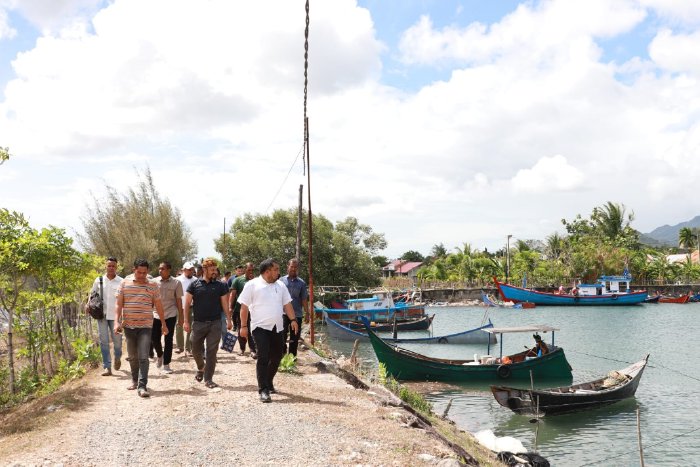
{"x": 668, "y": 234}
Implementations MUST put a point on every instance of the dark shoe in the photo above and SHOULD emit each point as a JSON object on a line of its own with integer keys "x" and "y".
{"x": 143, "y": 392}
{"x": 199, "y": 376}
{"x": 265, "y": 396}
{"x": 117, "y": 363}
{"x": 133, "y": 386}
{"x": 242, "y": 352}
{"x": 273, "y": 390}
{"x": 254, "y": 355}
{"x": 107, "y": 372}
{"x": 211, "y": 384}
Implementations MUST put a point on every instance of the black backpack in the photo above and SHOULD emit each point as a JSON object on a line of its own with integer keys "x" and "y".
{"x": 96, "y": 304}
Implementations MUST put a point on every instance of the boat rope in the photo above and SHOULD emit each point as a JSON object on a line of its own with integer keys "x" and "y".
{"x": 656, "y": 366}
{"x": 636, "y": 452}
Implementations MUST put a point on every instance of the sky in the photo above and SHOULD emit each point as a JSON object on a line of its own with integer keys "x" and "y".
{"x": 433, "y": 121}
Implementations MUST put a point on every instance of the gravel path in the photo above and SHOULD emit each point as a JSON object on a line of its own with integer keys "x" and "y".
{"x": 315, "y": 419}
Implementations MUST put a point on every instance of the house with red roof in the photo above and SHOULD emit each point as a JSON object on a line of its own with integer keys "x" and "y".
{"x": 401, "y": 268}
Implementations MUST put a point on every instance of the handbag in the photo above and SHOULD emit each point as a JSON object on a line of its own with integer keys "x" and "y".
{"x": 228, "y": 341}
{"x": 96, "y": 304}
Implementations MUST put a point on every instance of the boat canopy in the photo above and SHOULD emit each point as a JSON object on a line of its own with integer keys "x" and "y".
{"x": 533, "y": 328}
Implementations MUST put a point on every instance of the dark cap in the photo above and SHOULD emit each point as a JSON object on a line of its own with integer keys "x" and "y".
{"x": 537, "y": 337}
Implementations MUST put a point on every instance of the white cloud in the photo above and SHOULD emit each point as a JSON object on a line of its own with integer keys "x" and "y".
{"x": 676, "y": 52}
{"x": 680, "y": 11}
{"x": 6, "y": 31}
{"x": 549, "y": 174}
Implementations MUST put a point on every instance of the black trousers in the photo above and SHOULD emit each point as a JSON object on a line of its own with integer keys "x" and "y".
{"x": 293, "y": 336}
{"x": 250, "y": 340}
{"x": 156, "y": 335}
{"x": 270, "y": 345}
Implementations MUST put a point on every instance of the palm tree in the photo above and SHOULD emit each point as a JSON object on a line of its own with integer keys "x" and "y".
{"x": 554, "y": 246}
{"x": 611, "y": 219}
{"x": 687, "y": 238}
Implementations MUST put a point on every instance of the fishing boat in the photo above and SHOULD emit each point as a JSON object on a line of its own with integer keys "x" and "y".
{"x": 609, "y": 290}
{"x": 409, "y": 324}
{"x": 471, "y": 336}
{"x": 654, "y": 299}
{"x": 616, "y": 386}
{"x": 407, "y": 365}
{"x": 379, "y": 307}
{"x": 669, "y": 299}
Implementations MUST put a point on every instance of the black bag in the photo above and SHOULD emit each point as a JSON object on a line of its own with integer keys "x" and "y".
{"x": 96, "y": 304}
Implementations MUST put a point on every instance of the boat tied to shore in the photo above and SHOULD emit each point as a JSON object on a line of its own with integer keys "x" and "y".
{"x": 614, "y": 387}
{"x": 407, "y": 365}
{"x": 608, "y": 290}
{"x": 380, "y": 307}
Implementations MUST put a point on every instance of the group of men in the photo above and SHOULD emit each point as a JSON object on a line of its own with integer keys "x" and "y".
{"x": 197, "y": 307}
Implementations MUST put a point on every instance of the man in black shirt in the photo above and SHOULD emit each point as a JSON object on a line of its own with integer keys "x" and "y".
{"x": 210, "y": 300}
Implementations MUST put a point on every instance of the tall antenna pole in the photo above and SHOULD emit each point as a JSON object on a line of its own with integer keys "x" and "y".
{"x": 223, "y": 249}
{"x": 312, "y": 313}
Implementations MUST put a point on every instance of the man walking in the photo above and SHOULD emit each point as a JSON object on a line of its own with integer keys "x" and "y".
{"x": 297, "y": 290}
{"x": 209, "y": 296}
{"x": 265, "y": 299}
{"x": 236, "y": 289}
{"x": 105, "y": 326}
{"x": 136, "y": 299}
{"x": 185, "y": 279}
{"x": 171, "y": 299}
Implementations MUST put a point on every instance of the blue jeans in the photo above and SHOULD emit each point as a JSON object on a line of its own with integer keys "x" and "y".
{"x": 105, "y": 329}
{"x": 138, "y": 345}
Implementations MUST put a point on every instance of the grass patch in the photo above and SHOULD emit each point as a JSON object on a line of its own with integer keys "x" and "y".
{"x": 409, "y": 396}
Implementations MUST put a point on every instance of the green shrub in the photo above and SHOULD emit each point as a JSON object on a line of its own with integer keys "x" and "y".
{"x": 288, "y": 364}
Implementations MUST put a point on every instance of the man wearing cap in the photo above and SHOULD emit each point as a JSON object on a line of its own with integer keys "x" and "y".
{"x": 186, "y": 278}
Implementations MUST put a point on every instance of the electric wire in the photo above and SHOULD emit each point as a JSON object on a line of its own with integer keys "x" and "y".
{"x": 654, "y": 366}
{"x": 285, "y": 178}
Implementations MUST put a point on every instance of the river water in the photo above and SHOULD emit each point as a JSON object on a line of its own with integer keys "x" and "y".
{"x": 596, "y": 340}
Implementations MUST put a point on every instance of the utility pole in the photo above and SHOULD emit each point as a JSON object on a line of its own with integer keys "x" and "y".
{"x": 508, "y": 257}
{"x": 299, "y": 216}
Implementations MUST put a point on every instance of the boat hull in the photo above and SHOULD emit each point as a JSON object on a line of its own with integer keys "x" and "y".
{"x": 681, "y": 299}
{"x": 403, "y": 364}
{"x": 568, "y": 399}
{"x": 518, "y": 295}
{"x": 472, "y": 336}
{"x": 379, "y": 314}
{"x": 417, "y": 324}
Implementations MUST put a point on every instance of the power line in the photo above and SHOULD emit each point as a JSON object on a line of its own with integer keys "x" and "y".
{"x": 285, "y": 177}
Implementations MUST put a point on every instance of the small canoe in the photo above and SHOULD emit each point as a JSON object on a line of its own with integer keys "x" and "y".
{"x": 616, "y": 386}
{"x": 404, "y": 364}
{"x": 471, "y": 336}
{"x": 681, "y": 299}
{"x": 654, "y": 299}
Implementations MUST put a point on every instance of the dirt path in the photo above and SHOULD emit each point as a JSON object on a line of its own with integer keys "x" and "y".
{"x": 315, "y": 419}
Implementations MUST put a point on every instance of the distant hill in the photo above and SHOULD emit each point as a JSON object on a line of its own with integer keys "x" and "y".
{"x": 668, "y": 234}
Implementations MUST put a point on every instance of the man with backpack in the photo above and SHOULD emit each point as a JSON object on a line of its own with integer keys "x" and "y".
{"x": 110, "y": 283}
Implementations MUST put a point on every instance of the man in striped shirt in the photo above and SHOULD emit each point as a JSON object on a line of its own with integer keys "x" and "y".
{"x": 136, "y": 299}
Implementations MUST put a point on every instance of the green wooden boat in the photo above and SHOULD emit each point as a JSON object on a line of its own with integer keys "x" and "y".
{"x": 406, "y": 365}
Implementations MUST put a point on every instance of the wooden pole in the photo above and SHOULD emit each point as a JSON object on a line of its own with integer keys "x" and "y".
{"x": 223, "y": 250}
{"x": 312, "y": 311}
{"x": 639, "y": 440}
{"x": 299, "y": 216}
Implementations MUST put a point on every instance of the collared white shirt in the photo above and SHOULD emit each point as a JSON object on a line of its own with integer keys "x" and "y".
{"x": 185, "y": 281}
{"x": 266, "y": 302}
{"x": 109, "y": 287}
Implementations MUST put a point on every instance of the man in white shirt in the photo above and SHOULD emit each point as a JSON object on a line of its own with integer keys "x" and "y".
{"x": 105, "y": 326}
{"x": 186, "y": 278}
{"x": 267, "y": 300}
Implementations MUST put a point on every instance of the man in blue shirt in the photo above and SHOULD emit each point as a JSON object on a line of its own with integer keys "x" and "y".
{"x": 300, "y": 303}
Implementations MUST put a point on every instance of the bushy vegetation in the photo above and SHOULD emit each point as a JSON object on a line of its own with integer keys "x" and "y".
{"x": 410, "y": 397}
{"x": 43, "y": 284}
{"x": 602, "y": 244}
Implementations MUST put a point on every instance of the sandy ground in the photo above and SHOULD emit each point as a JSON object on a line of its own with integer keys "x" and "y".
{"x": 315, "y": 419}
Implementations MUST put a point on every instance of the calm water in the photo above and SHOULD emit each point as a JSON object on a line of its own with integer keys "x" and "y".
{"x": 592, "y": 338}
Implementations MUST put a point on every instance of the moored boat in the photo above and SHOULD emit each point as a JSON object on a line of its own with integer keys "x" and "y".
{"x": 616, "y": 386}
{"x": 407, "y": 365}
{"x": 421, "y": 323}
{"x": 669, "y": 299}
{"x": 471, "y": 336}
{"x": 379, "y": 307}
{"x": 609, "y": 290}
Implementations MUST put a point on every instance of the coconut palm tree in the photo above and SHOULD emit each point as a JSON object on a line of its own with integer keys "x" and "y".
{"x": 611, "y": 219}
{"x": 687, "y": 238}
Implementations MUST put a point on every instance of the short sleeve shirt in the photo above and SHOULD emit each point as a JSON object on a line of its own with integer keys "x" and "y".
{"x": 139, "y": 301}
{"x": 109, "y": 289}
{"x": 207, "y": 299}
{"x": 170, "y": 293}
{"x": 237, "y": 285}
{"x": 266, "y": 302}
{"x": 298, "y": 292}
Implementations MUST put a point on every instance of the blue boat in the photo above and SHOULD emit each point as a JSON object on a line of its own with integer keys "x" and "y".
{"x": 609, "y": 290}
{"x": 380, "y": 307}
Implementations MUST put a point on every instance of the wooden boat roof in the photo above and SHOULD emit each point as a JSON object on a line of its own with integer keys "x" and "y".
{"x": 531, "y": 328}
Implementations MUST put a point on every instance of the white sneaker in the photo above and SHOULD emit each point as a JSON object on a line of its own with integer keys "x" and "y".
{"x": 166, "y": 369}
{"x": 159, "y": 362}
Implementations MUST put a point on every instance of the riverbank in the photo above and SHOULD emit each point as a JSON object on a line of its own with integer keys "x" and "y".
{"x": 315, "y": 419}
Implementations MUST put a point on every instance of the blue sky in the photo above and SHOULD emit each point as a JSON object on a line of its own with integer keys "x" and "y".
{"x": 433, "y": 121}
